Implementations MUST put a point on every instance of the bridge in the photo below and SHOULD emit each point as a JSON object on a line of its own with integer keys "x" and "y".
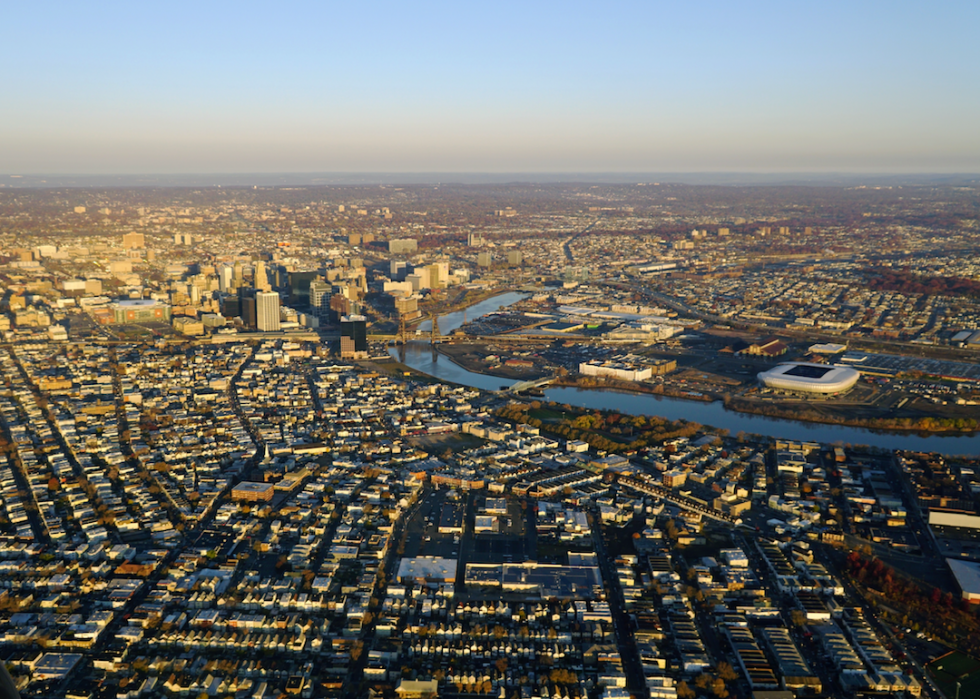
{"x": 525, "y": 385}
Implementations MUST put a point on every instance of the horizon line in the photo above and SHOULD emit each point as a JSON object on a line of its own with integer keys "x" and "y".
{"x": 437, "y": 177}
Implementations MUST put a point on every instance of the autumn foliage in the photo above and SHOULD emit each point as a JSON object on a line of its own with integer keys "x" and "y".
{"x": 938, "y": 613}
{"x": 888, "y": 279}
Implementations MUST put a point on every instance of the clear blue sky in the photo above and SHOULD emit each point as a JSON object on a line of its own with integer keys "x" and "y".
{"x": 476, "y": 86}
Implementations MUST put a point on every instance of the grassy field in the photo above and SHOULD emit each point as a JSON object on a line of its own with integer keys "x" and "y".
{"x": 548, "y": 415}
{"x": 955, "y": 667}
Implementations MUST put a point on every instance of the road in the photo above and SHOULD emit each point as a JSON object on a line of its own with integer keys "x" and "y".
{"x": 883, "y": 631}
{"x": 567, "y": 245}
{"x": 625, "y": 642}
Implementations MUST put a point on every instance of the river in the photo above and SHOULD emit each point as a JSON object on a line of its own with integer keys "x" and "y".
{"x": 422, "y": 357}
{"x": 451, "y": 321}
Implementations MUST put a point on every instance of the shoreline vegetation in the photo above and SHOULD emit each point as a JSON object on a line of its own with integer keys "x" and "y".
{"x": 605, "y": 430}
{"x": 922, "y": 424}
{"x": 908, "y": 424}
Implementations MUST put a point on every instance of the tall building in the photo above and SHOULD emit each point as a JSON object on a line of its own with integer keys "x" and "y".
{"x": 237, "y": 276}
{"x": 299, "y": 287}
{"x": 267, "y": 311}
{"x": 484, "y": 259}
{"x": 398, "y": 270}
{"x": 231, "y": 307}
{"x": 407, "y": 307}
{"x": 353, "y": 337}
{"x": 261, "y": 278}
{"x": 515, "y": 258}
{"x": 249, "y": 314}
{"x": 420, "y": 279}
{"x": 320, "y": 297}
{"x": 225, "y": 279}
{"x": 436, "y": 281}
{"x": 340, "y": 306}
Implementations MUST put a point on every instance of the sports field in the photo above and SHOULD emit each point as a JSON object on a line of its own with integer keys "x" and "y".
{"x": 955, "y": 667}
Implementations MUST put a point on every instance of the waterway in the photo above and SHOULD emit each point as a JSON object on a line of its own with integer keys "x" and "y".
{"x": 451, "y": 321}
{"x": 422, "y": 357}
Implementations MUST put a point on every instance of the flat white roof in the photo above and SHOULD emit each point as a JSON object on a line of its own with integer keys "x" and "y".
{"x": 427, "y": 567}
{"x": 953, "y": 519}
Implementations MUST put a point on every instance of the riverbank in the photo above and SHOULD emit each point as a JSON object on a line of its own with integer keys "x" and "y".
{"x": 472, "y": 358}
{"x": 600, "y": 384}
{"x": 908, "y": 423}
{"x": 428, "y": 360}
{"x": 460, "y": 301}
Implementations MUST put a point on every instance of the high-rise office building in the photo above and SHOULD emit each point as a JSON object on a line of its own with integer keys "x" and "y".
{"x": 435, "y": 280}
{"x": 267, "y": 311}
{"x": 261, "y": 278}
{"x": 320, "y": 297}
{"x": 299, "y": 287}
{"x": 398, "y": 270}
{"x": 224, "y": 279}
{"x": 249, "y": 313}
{"x": 237, "y": 276}
{"x": 353, "y": 337}
{"x": 231, "y": 307}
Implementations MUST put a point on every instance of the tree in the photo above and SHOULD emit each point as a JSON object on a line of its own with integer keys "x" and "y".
{"x": 726, "y": 672}
{"x": 685, "y": 692}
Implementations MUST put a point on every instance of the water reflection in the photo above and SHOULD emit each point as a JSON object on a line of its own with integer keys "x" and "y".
{"x": 424, "y": 358}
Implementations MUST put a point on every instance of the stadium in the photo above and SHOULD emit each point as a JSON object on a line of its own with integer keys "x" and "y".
{"x": 803, "y": 377}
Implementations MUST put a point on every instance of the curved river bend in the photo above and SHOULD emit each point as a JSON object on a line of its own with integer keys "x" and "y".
{"x": 422, "y": 357}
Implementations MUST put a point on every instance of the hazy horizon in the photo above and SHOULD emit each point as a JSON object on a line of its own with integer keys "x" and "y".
{"x": 312, "y": 179}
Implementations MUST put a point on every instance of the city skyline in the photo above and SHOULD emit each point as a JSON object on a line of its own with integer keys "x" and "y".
{"x": 659, "y": 441}
{"x": 439, "y": 88}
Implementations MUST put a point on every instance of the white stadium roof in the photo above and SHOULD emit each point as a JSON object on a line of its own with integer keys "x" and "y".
{"x": 810, "y": 378}
{"x": 967, "y": 576}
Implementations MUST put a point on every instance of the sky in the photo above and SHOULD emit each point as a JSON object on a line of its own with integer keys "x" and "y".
{"x": 533, "y": 86}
